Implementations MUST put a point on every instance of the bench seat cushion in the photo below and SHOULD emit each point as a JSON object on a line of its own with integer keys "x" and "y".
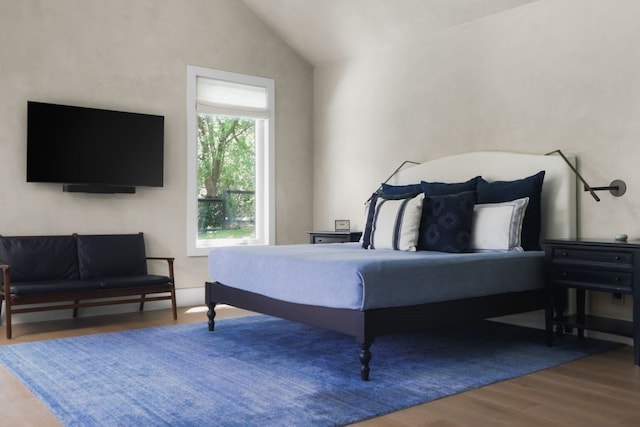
{"x": 53, "y": 287}
{"x": 136, "y": 281}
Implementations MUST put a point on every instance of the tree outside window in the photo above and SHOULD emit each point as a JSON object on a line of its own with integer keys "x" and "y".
{"x": 226, "y": 177}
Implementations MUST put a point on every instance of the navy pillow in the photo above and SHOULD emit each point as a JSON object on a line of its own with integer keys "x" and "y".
{"x": 446, "y": 222}
{"x": 506, "y": 191}
{"x": 395, "y": 192}
{"x": 409, "y": 191}
{"x": 443, "y": 188}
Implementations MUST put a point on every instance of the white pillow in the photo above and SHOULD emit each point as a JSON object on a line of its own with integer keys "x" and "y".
{"x": 396, "y": 223}
{"x": 497, "y": 226}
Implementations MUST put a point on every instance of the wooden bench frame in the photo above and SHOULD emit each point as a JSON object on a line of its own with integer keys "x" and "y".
{"x": 86, "y": 298}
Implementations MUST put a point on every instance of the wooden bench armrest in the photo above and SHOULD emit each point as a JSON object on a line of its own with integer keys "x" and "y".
{"x": 5, "y": 271}
{"x": 169, "y": 261}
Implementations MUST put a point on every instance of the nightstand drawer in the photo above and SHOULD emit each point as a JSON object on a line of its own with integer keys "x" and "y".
{"x": 330, "y": 239}
{"x": 618, "y": 281}
{"x": 592, "y": 256}
{"x": 334, "y": 236}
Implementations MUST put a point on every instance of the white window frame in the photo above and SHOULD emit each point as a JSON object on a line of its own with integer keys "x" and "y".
{"x": 265, "y": 167}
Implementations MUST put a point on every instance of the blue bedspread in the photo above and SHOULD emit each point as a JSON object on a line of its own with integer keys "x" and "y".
{"x": 343, "y": 275}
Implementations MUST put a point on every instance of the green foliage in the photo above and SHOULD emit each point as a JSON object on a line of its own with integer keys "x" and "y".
{"x": 226, "y": 173}
{"x": 226, "y": 154}
{"x": 236, "y": 233}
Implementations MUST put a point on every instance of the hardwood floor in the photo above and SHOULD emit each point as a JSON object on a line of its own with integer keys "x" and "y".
{"x": 600, "y": 390}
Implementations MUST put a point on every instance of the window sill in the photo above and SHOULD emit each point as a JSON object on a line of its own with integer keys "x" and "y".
{"x": 206, "y": 248}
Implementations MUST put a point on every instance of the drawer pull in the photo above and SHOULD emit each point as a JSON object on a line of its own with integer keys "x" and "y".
{"x": 565, "y": 254}
{"x": 617, "y": 258}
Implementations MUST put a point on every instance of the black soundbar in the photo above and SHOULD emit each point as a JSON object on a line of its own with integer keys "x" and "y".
{"x": 98, "y": 188}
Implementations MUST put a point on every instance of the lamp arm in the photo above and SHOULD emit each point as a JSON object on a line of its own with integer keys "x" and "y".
{"x": 398, "y": 168}
{"x": 587, "y": 187}
{"x": 379, "y": 190}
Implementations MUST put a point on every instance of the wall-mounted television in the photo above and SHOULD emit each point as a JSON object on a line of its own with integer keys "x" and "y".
{"x": 94, "y": 150}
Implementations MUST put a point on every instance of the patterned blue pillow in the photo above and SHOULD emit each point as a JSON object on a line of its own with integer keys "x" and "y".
{"x": 446, "y": 222}
{"x": 506, "y": 191}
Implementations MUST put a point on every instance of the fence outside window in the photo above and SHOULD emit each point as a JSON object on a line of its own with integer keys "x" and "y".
{"x": 234, "y": 210}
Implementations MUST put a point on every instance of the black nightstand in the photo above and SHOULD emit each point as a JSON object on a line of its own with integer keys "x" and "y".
{"x": 334, "y": 236}
{"x": 592, "y": 265}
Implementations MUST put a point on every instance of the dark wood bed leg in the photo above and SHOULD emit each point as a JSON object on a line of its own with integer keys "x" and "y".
{"x": 211, "y": 314}
{"x": 365, "y": 358}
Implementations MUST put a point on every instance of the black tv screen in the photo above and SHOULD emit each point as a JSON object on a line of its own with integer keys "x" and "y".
{"x": 93, "y": 148}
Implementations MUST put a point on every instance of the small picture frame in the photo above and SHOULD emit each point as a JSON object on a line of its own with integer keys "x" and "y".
{"x": 342, "y": 225}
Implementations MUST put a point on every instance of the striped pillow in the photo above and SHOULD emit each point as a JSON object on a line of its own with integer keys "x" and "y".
{"x": 396, "y": 223}
{"x": 498, "y": 226}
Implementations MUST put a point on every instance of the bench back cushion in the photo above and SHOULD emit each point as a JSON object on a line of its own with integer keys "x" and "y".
{"x": 36, "y": 258}
{"x": 111, "y": 255}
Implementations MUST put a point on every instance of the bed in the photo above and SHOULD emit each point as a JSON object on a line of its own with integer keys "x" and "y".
{"x": 368, "y": 293}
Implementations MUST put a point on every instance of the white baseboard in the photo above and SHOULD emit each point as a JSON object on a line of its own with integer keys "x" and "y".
{"x": 185, "y": 297}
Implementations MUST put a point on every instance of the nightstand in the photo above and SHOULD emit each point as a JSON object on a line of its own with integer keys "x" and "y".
{"x": 592, "y": 265}
{"x": 334, "y": 236}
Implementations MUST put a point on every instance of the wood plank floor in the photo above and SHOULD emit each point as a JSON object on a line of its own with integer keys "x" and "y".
{"x": 601, "y": 390}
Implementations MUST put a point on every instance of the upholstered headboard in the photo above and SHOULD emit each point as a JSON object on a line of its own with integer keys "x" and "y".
{"x": 558, "y": 190}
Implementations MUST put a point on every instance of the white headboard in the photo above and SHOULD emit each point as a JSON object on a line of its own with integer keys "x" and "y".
{"x": 558, "y": 188}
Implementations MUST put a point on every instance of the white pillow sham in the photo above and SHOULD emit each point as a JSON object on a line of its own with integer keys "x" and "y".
{"x": 497, "y": 226}
{"x": 396, "y": 223}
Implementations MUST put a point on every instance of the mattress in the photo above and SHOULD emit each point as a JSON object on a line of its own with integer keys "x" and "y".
{"x": 343, "y": 275}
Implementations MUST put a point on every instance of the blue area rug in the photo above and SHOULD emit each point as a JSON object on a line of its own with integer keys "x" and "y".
{"x": 264, "y": 371}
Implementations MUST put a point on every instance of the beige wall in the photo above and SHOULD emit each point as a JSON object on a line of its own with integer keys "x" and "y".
{"x": 133, "y": 56}
{"x": 551, "y": 74}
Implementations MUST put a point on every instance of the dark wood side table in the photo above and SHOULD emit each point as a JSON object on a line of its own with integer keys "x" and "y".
{"x": 334, "y": 236}
{"x": 592, "y": 265}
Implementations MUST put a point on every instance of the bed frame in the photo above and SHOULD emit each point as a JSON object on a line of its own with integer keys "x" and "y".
{"x": 558, "y": 220}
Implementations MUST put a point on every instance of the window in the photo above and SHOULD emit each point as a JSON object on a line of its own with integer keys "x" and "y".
{"x": 230, "y": 160}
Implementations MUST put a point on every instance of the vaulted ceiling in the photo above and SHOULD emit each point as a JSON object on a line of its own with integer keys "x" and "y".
{"x": 326, "y": 30}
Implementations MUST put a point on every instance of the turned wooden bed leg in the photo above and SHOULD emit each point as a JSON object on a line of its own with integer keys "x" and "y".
{"x": 365, "y": 358}
{"x": 211, "y": 314}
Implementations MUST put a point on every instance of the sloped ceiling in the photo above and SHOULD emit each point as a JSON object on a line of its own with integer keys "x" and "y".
{"x": 326, "y": 30}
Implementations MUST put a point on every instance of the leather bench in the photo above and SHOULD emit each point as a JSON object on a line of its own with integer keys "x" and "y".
{"x": 42, "y": 273}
